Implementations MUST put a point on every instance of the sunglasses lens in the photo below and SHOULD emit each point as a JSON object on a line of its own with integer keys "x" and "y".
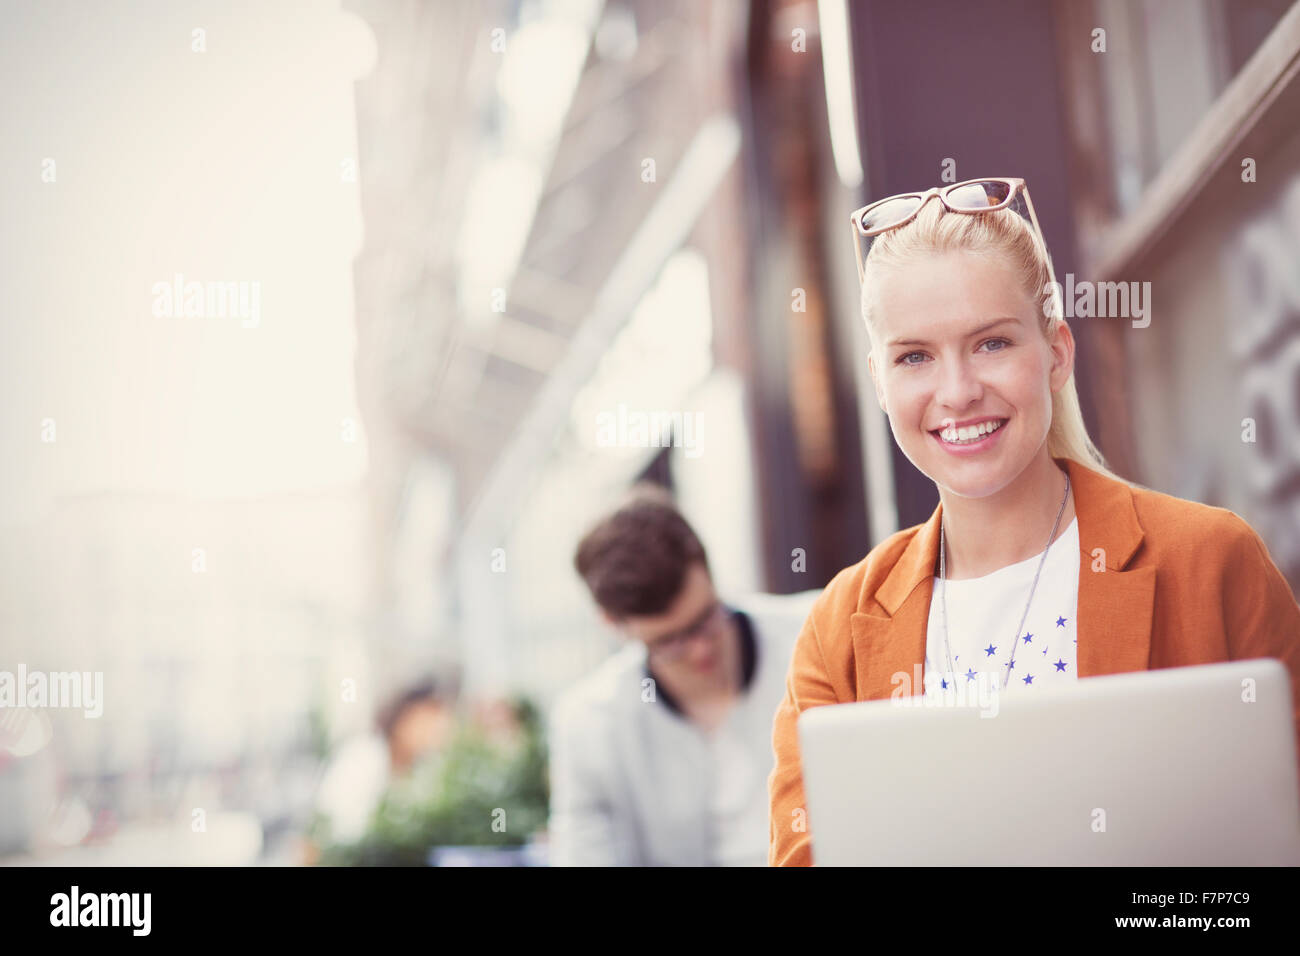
{"x": 978, "y": 195}
{"x": 889, "y": 213}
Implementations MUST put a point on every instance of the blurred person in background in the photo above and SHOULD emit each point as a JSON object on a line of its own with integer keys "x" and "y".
{"x": 660, "y": 757}
{"x": 1039, "y": 565}
{"x": 498, "y": 718}
{"x": 417, "y": 722}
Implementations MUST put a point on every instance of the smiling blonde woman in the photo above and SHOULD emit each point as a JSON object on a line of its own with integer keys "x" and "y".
{"x": 1039, "y": 565}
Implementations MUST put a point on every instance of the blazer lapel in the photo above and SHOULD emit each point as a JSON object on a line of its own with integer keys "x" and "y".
{"x": 1115, "y": 605}
{"x": 889, "y": 635}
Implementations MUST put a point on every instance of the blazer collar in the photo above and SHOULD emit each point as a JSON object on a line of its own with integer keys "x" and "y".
{"x": 1115, "y": 602}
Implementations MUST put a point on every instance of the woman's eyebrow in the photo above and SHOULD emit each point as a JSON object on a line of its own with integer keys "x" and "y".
{"x": 970, "y": 335}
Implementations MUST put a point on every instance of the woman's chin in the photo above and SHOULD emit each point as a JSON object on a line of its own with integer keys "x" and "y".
{"x": 967, "y": 478}
{"x": 965, "y": 488}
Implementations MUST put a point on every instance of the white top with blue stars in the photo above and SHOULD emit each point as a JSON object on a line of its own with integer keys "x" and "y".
{"x": 982, "y": 613}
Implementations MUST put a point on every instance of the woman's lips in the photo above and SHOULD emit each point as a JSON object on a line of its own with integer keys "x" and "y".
{"x": 975, "y": 447}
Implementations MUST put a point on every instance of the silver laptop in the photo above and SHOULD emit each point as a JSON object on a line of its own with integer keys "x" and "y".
{"x": 1188, "y": 766}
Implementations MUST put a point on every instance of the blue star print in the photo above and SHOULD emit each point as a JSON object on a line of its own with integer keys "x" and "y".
{"x": 1003, "y": 656}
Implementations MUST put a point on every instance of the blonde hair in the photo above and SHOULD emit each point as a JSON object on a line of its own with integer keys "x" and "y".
{"x": 1006, "y": 235}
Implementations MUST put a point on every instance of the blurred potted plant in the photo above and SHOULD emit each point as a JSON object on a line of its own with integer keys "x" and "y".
{"x": 482, "y": 800}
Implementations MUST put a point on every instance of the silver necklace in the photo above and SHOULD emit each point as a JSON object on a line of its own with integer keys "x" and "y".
{"x": 943, "y": 592}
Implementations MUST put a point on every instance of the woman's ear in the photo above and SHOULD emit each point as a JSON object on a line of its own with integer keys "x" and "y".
{"x": 1062, "y": 347}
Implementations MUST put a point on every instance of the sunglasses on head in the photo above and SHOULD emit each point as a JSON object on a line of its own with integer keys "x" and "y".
{"x": 972, "y": 196}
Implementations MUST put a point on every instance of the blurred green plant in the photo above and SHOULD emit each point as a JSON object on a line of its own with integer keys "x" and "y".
{"x": 318, "y": 729}
{"x": 480, "y": 791}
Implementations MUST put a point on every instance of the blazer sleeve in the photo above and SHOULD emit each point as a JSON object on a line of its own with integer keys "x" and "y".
{"x": 1262, "y": 618}
{"x": 585, "y": 827}
{"x": 807, "y": 685}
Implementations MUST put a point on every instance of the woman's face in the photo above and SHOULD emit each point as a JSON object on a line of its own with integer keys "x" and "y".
{"x": 958, "y": 343}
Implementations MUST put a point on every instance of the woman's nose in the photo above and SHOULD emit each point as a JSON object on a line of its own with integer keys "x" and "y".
{"x": 959, "y": 386}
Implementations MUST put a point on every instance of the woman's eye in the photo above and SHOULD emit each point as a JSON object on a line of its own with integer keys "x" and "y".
{"x": 920, "y": 356}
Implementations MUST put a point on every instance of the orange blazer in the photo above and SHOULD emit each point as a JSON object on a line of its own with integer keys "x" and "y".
{"x": 1163, "y": 582}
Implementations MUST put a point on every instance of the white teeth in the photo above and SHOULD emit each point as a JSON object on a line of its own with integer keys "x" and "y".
{"x": 970, "y": 433}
